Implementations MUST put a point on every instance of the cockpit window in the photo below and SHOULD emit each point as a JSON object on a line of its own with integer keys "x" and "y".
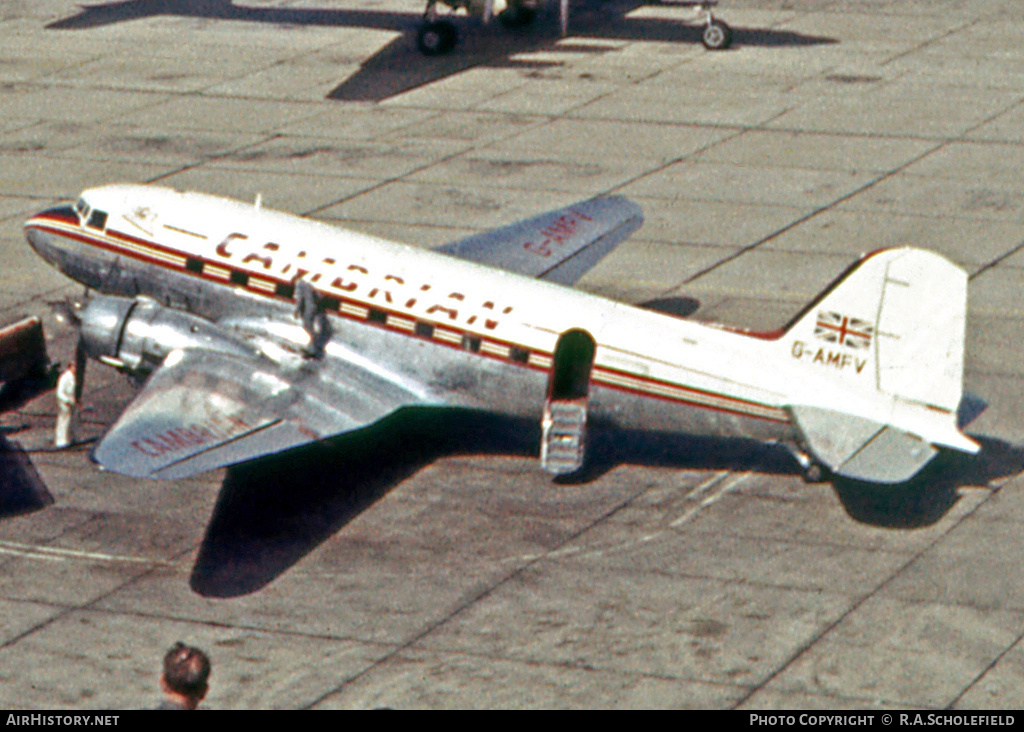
{"x": 97, "y": 219}
{"x": 82, "y": 208}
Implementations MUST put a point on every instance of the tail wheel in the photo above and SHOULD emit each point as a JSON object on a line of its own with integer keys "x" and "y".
{"x": 814, "y": 473}
{"x": 716, "y": 36}
{"x": 810, "y": 469}
{"x": 436, "y": 38}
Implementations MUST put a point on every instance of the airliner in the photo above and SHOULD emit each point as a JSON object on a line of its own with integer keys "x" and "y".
{"x": 253, "y": 331}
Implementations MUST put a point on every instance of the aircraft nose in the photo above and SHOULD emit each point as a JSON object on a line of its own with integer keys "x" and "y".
{"x": 41, "y": 230}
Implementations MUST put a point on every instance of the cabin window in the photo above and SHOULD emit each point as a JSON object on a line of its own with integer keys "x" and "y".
{"x": 377, "y": 316}
{"x": 471, "y": 342}
{"x": 425, "y": 330}
{"x": 239, "y": 278}
{"x": 97, "y": 219}
{"x": 519, "y": 355}
{"x": 284, "y": 289}
{"x": 194, "y": 265}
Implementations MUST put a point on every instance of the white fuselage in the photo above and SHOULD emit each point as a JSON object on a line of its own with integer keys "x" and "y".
{"x": 474, "y": 335}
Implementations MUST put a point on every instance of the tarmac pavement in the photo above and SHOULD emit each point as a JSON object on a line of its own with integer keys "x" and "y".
{"x": 452, "y": 571}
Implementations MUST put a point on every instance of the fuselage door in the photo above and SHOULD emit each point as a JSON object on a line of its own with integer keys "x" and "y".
{"x": 564, "y": 424}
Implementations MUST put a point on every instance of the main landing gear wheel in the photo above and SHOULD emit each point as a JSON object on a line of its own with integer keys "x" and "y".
{"x": 436, "y": 37}
{"x": 517, "y": 16}
{"x": 519, "y": 13}
{"x": 716, "y": 36}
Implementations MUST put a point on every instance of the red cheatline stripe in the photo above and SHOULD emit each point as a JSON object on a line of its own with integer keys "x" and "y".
{"x": 351, "y": 309}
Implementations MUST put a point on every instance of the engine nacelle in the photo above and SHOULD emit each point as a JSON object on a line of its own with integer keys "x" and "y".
{"x": 135, "y": 335}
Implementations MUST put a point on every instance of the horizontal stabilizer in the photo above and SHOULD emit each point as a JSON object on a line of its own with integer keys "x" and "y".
{"x": 560, "y": 246}
{"x": 860, "y": 448}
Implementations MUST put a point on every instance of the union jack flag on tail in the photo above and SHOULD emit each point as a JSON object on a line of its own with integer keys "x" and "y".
{"x": 843, "y": 330}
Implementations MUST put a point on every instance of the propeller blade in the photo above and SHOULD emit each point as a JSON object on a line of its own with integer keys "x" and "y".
{"x": 563, "y": 16}
{"x": 81, "y": 359}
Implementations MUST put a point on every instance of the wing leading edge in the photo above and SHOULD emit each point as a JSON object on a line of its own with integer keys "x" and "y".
{"x": 203, "y": 410}
{"x": 559, "y": 246}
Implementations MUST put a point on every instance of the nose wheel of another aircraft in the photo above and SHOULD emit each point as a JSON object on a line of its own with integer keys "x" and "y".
{"x": 716, "y": 36}
{"x": 436, "y": 37}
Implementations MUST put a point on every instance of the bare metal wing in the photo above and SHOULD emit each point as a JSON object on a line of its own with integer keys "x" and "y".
{"x": 558, "y": 246}
{"x": 204, "y": 409}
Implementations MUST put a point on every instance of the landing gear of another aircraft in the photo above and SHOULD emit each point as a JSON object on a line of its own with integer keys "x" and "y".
{"x": 519, "y": 13}
{"x": 436, "y": 37}
{"x": 716, "y": 36}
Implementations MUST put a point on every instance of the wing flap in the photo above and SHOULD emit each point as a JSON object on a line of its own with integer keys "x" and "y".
{"x": 559, "y": 246}
{"x": 203, "y": 410}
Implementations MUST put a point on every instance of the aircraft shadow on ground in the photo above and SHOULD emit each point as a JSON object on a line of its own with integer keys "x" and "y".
{"x": 928, "y": 496}
{"x": 21, "y": 489}
{"x": 681, "y": 307}
{"x": 16, "y": 394}
{"x": 273, "y": 512}
{"x": 399, "y": 67}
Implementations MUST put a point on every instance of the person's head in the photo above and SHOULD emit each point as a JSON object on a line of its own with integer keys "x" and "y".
{"x": 186, "y": 673}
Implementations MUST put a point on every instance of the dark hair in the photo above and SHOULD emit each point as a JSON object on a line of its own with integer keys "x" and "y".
{"x": 186, "y": 670}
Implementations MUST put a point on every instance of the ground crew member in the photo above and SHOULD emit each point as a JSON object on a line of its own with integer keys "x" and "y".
{"x": 67, "y": 401}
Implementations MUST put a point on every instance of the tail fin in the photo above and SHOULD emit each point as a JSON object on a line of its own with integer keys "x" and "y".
{"x": 889, "y": 338}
